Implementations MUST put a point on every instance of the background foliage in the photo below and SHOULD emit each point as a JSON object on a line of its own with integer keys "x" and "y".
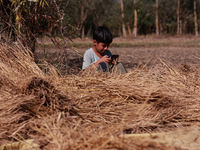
{"x": 29, "y": 19}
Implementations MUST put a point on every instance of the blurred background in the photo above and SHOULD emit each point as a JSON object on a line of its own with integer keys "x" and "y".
{"x": 79, "y": 17}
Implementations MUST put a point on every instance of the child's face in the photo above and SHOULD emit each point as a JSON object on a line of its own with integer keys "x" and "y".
{"x": 101, "y": 47}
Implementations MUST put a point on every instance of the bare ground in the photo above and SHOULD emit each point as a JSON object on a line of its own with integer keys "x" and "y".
{"x": 134, "y": 52}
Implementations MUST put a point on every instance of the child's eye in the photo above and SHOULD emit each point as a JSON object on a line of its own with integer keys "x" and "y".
{"x": 105, "y": 45}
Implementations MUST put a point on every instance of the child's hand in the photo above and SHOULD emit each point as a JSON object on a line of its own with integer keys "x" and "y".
{"x": 114, "y": 61}
{"x": 105, "y": 59}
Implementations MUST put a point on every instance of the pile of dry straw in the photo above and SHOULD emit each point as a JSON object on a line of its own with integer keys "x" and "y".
{"x": 142, "y": 109}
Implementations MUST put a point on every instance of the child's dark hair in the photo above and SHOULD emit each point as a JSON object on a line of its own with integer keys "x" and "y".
{"x": 102, "y": 34}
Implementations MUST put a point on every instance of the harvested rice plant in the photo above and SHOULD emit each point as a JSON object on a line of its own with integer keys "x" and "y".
{"x": 156, "y": 105}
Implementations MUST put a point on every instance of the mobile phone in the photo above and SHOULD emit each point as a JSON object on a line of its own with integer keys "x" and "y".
{"x": 113, "y": 57}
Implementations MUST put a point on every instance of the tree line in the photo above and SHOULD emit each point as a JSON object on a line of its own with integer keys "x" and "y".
{"x": 29, "y": 19}
{"x": 140, "y": 17}
{"x": 135, "y": 17}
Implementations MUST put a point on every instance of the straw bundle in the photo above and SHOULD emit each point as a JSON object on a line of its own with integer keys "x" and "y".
{"x": 108, "y": 106}
{"x": 26, "y": 92}
{"x": 142, "y": 101}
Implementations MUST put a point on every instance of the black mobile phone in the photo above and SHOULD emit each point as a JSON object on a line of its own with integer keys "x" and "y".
{"x": 114, "y": 57}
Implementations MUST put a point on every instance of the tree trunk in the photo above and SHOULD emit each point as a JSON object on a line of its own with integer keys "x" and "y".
{"x": 135, "y": 20}
{"x": 181, "y": 27}
{"x": 178, "y": 16}
{"x": 83, "y": 32}
{"x": 83, "y": 18}
{"x": 157, "y": 26}
{"x": 122, "y": 14}
{"x": 129, "y": 28}
{"x": 195, "y": 18}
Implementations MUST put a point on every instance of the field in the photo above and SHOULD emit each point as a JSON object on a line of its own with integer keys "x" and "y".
{"x": 156, "y": 105}
{"x": 134, "y": 52}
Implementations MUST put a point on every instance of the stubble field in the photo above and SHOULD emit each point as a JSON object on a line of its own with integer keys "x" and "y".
{"x": 134, "y": 52}
{"x": 156, "y": 105}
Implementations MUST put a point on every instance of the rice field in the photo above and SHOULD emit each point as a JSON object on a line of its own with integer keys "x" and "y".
{"x": 156, "y": 105}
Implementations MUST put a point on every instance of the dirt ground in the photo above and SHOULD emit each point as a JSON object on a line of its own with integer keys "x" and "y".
{"x": 134, "y": 52}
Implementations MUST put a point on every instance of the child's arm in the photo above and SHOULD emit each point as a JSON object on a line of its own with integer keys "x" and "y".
{"x": 102, "y": 59}
{"x": 86, "y": 61}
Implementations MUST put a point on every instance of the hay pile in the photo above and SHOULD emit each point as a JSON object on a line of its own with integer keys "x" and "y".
{"x": 26, "y": 92}
{"x": 98, "y": 111}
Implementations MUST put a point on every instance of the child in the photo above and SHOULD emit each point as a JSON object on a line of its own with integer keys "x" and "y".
{"x": 99, "y": 56}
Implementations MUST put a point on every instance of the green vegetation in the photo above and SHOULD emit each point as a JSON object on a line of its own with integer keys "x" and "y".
{"x": 131, "y": 44}
{"x": 74, "y": 18}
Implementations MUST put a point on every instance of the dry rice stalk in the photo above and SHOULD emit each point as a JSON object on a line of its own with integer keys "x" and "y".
{"x": 41, "y": 107}
{"x": 26, "y": 92}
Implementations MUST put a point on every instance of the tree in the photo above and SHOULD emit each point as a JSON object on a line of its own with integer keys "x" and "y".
{"x": 122, "y": 15}
{"x": 135, "y": 20}
{"x": 84, "y": 13}
{"x": 156, "y": 22}
{"x": 128, "y": 15}
{"x": 28, "y": 19}
{"x": 195, "y": 18}
{"x": 167, "y": 17}
{"x": 178, "y": 17}
{"x": 25, "y": 20}
{"x": 187, "y": 16}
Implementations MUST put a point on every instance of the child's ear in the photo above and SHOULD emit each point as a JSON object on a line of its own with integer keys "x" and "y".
{"x": 94, "y": 42}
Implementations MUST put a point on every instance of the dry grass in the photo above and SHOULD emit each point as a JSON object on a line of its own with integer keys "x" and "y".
{"x": 97, "y": 111}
